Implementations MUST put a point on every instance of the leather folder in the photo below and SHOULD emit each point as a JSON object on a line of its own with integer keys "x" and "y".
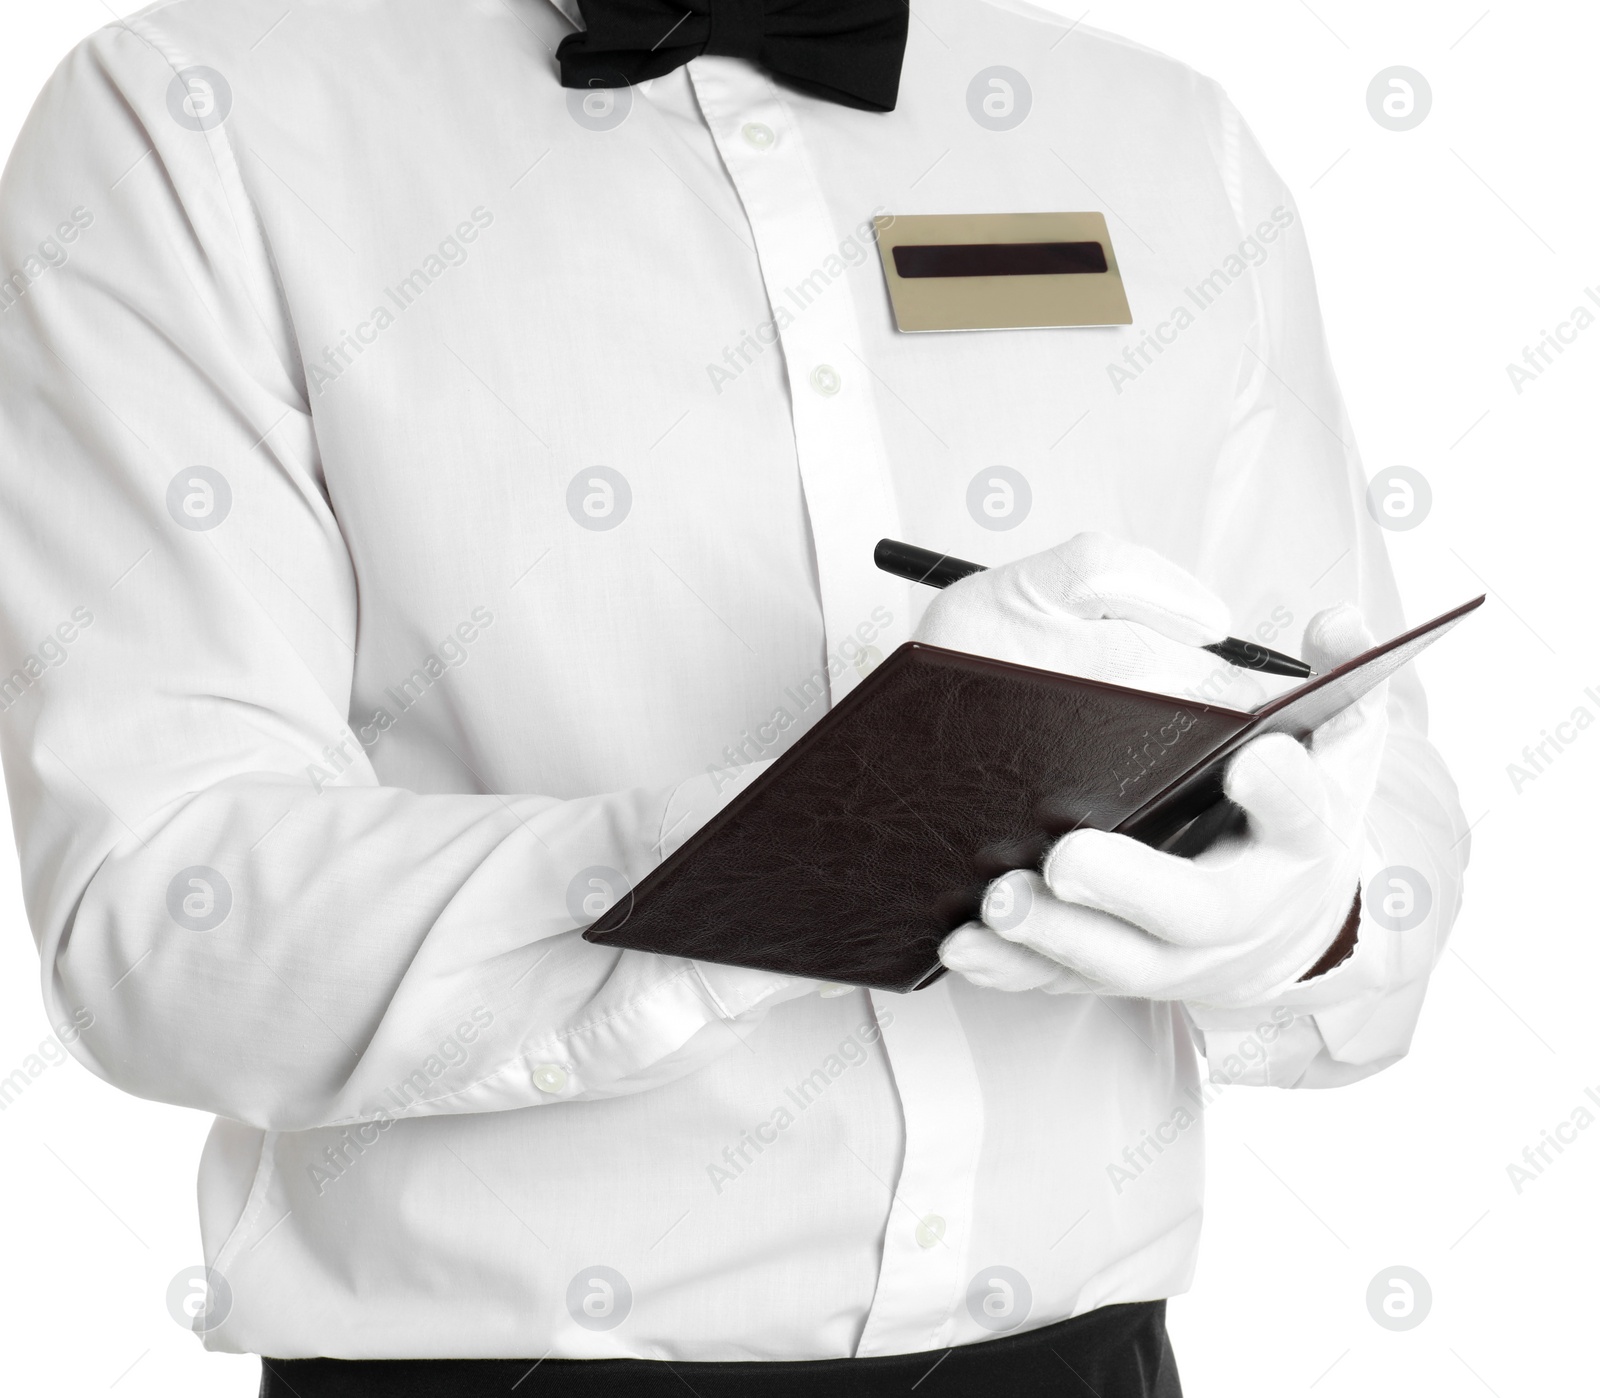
{"x": 872, "y": 838}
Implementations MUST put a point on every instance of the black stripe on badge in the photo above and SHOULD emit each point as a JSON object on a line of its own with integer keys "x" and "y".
{"x": 915, "y": 260}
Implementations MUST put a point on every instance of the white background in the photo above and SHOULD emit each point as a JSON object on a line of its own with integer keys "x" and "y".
{"x": 1442, "y": 251}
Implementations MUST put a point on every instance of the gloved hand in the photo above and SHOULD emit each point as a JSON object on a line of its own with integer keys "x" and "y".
{"x": 1096, "y": 607}
{"x": 1236, "y": 926}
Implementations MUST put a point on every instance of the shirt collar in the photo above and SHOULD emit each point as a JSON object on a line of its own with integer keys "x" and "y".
{"x": 569, "y": 8}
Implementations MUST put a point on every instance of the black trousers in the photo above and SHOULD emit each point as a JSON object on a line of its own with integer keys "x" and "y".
{"x": 1114, "y": 1352}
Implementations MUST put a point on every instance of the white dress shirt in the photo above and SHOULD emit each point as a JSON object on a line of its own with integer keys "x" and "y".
{"x": 413, "y": 474}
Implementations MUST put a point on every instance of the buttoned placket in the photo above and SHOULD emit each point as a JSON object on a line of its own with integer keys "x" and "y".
{"x": 843, "y": 463}
{"x": 844, "y": 468}
{"x": 927, "y": 1256}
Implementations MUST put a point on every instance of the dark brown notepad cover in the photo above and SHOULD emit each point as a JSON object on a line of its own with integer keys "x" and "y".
{"x": 861, "y": 848}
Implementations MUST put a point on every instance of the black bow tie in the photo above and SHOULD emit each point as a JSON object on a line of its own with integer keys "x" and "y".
{"x": 847, "y": 51}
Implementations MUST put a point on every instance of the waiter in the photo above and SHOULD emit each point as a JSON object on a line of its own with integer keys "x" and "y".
{"x": 431, "y": 490}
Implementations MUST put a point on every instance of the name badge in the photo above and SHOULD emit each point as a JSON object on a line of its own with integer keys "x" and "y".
{"x": 1000, "y": 271}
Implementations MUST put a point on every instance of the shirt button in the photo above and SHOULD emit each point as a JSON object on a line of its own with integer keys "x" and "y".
{"x": 825, "y": 379}
{"x": 930, "y": 1231}
{"x": 549, "y": 1077}
{"x": 830, "y": 991}
{"x": 760, "y": 136}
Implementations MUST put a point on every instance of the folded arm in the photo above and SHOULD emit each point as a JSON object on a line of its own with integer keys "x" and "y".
{"x": 248, "y": 919}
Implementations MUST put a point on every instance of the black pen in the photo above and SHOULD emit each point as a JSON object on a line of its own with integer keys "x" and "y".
{"x": 940, "y": 570}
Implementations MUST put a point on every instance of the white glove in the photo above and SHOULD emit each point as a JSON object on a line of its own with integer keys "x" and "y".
{"x": 1096, "y": 607}
{"x": 1236, "y": 926}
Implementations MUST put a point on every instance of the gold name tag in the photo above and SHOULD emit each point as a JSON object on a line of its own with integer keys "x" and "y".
{"x": 1000, "y": 271}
